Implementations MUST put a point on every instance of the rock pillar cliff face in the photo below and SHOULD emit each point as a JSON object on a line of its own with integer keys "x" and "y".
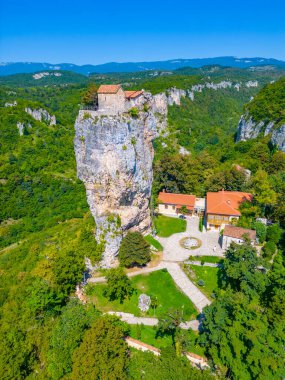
{"x": 114, "y": 157}
{"x": 249, "y": 129}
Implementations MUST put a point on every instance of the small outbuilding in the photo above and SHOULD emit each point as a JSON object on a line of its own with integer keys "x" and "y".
{"x": 233, "y": 234}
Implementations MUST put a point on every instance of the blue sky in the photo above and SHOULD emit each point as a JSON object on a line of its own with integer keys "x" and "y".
{"x": 102, "y": 31}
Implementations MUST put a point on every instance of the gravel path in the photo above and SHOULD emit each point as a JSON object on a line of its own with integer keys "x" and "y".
{"x": 132, "y": 320}
{"x": 198, "y": 263}
{"x": 182, "y": 281}
{"x": 180, "y": 278}
{"x": 172, "y": 250}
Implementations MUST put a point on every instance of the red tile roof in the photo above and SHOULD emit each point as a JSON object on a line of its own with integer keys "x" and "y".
{"x": 109, "y": 88}
{"x": 132, "y": 94}
{"x": 226, "y": 202}
{"x": 142, "y": 344}
{"x": 177, "y": 199}
{"x": 239, "y": 232}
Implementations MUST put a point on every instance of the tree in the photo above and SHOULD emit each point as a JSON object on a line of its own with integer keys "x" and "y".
{"x": 263, "y": 192}
{"x": 183, "y": 210}
{"x": 90, "y": 97}
{"x": 154, "y": 303}
{"x": 134, "y": 250}
{"x": 67, "y": 335}
{"x": 169, "y": 322}
{"x": 260, "y": 229}
{"x": 274, "y": 233}
{"x": 68, "y": 270}
{"x": 103, "y": 353}
{"x": 238, "y": 338}
{"x": 118, "y": 285}
{"x": 269, "y": 249}
{"x": 241, "y": 270}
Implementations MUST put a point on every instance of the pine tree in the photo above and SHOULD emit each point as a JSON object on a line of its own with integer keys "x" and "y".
{"x": 134, "y": 250}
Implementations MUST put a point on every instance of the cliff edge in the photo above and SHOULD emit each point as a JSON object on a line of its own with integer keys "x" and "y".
{"x": 114, "y": 155}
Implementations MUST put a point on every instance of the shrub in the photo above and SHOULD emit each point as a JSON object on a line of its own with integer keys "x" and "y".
{"x": 134, "y": 250}
{"x": 201, "y": 283}
{"x": 134, "y": 112}
{"x": 260, "y": 229}
{"x": 118, "y": 285}
{"x": 274, "y": 233}
{"x": 269, "y": 249}
{"x": 145, "y": 107}
{"x": 201, "y": 224}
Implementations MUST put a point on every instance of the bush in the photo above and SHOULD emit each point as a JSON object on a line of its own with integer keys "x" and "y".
{"x": 134, "y": 250}
{"x": 134, "y": 112}
{"x": 201, "y": 283}
{"x": 274, "y": 233}
{"x": 269, "y": 249}
{"x": 118, "y": 285}
{"x": 260, "y": 229}
{"x": 201, "y": 224}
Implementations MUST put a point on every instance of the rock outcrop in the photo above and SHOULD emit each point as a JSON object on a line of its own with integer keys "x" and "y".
{"x": 114, "y": 157}
{"x": 41, "y": 114}
{"x": 249, "y": 129}
{"x": 278, "y": 137}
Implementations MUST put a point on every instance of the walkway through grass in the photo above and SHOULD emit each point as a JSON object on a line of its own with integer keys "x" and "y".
{"x": 166, "y": 226}
{"x": 158, "y": 284}
{"x": 208, "y": 275}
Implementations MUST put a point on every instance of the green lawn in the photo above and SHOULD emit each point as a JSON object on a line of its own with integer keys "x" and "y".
{"x": 147, "y": 334}
{"x": 207, "y": 259}
{"x": 208, "y": 274}
{"x": 152, "y": 241}
{"x": 159, "y": 284}
{"x": 166, "y": 226}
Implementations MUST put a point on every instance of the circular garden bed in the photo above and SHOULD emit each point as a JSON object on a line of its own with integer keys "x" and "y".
{"x": 190, "y": 242}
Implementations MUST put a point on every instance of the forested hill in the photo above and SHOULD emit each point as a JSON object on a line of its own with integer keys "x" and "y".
{"x": 269, "y": 103}
{"x": 46, "y": 229}
{"x": 265, "y": 115}
{"x": 43, "y": 78}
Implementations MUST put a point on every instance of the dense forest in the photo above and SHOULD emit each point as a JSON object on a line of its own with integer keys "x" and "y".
{"x": 46, "y": 231}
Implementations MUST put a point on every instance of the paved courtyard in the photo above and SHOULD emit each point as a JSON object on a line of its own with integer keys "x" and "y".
{"x": 173, "y": 251}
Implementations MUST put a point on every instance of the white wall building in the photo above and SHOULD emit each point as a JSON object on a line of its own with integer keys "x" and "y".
{"x": 233, "y": 234}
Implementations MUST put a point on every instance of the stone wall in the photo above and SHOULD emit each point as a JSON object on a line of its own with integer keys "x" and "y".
{"x": 112, "y": 103}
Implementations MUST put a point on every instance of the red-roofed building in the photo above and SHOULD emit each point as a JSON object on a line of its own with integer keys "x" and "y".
{"x": 233, "y": 234}
{"x": 222, "y": 207}
{"x": 171, "y": 204}
{"x": 112, "y": 99}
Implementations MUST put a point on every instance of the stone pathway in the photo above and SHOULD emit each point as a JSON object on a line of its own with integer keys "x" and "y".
{"x": 172, "y": 250}
{"x": 161, "y": 265}
{"x": 198, "y": 263}
{"x": 182, "y": 281}
{"x": 174, "y": 253}
{"x": 148, "y": 321}
{"x": 180, "y": 278}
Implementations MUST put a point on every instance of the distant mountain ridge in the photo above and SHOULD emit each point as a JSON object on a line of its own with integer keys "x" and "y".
{"x": 8, "y": 68}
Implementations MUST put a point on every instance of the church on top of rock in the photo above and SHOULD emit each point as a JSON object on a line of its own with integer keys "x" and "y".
{"x": 113, "y": 99}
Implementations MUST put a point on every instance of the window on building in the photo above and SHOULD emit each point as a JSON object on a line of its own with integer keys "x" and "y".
{"x": 166, "y": 206}
{"x": 173, "y": 207}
